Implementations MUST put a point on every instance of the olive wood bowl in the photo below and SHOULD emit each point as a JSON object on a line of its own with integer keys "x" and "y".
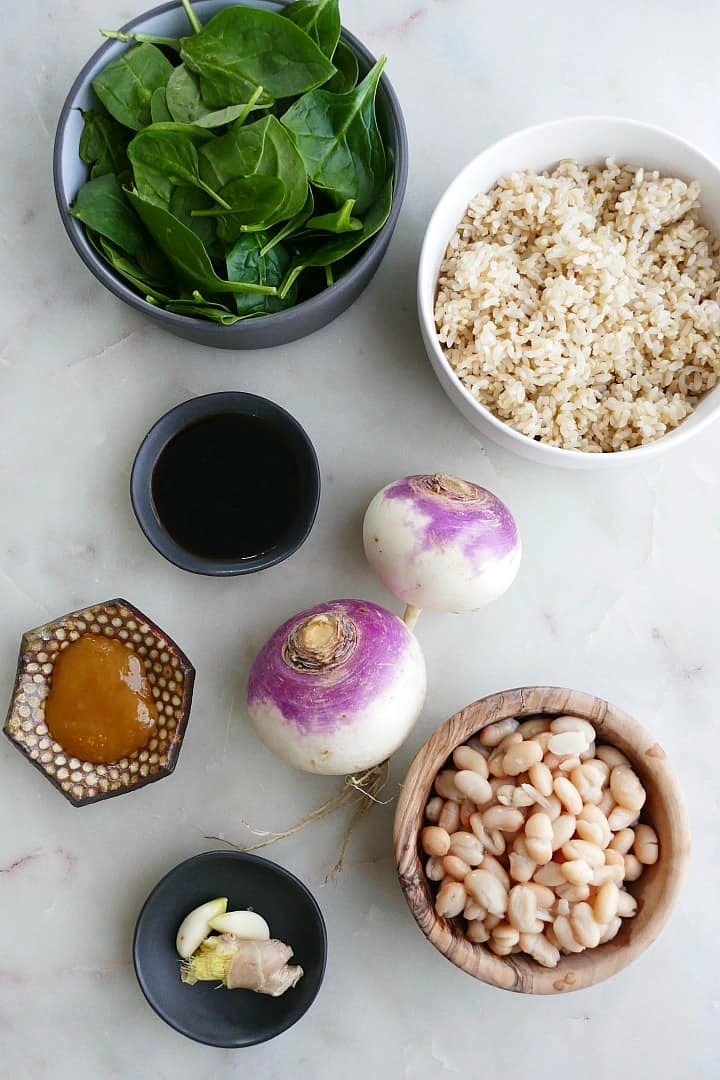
{"x": 656, "y": 891}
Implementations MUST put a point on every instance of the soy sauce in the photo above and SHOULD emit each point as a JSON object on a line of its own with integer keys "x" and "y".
{"x": 227, "y": 487}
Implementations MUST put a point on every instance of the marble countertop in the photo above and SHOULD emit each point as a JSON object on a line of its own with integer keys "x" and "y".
{"x": 618, "y": 593}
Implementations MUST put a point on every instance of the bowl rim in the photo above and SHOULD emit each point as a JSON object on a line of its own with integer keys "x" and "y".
{"x": 186, "y": 666}
{"x": 240, "y": 857}
{"x": 521, "y": 974}
{"x": 171, "y": 423}
{"x": 277, "y": 319}
{"x": 543, "y": 452}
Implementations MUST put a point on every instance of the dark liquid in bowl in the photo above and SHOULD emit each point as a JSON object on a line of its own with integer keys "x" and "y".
{"x": 227, "y": 487}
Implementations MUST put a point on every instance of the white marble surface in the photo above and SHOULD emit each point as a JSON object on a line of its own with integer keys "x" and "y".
{"x": 618, "y": 593}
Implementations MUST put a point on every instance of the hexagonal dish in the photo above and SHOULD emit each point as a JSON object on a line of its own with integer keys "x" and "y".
{"x": 169, "y": 672}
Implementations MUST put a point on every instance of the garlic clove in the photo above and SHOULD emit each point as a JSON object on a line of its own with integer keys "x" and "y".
{"x": 195, "y": 927}
{"x": 247, "y": 925}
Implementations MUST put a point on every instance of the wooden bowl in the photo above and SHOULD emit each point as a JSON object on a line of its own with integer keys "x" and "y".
{"x": 656, "y": 891}
{"x": 169, "y": 673}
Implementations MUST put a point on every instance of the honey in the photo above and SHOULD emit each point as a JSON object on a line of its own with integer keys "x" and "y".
{"x": 100, "y": 707}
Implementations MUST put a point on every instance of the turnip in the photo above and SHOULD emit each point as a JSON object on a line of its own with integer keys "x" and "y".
{"x": 441, "y": 543}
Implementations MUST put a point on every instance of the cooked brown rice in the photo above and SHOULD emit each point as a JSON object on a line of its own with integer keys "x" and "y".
{"x": 581, "y": 305}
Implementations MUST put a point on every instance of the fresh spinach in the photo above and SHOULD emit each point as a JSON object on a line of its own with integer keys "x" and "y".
{"x": 339, "y": 141}
{"x": 318, "y": 18}
{"x": 103, "y": 144}
{"x": 186, "y": 251}
{"x": 101, "y": 205}
{"x": 184, "y": 187}
{"x": 242, "y": 48}
{"x": 326, "y": 252}
{"x": 346, "y": 76}
{"x": 263, "y": 148}
{"x": 245, "y": 262}
{"x": 340, "y": 221}
{"x": 158, "y": 106}
{"x": 126, "y": 85}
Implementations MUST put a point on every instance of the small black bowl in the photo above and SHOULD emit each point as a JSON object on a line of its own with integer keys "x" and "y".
{"x": 201, "y": 408}
{"x": 69, "y": 173}
{"x": 219, "y": 1017}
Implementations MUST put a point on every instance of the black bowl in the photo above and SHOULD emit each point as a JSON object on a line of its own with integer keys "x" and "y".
{"x": 199, "y": 408}
{"x": 69, "y": 173}
{"x": 219, "y": 1017}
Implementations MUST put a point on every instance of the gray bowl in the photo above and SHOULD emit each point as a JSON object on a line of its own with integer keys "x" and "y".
{"x": 69, "y": 173}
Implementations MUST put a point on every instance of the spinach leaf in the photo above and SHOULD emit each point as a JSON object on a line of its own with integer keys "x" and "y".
{"x": 162, "y": 150}
{"x": 158, "y": 107}
{"x": 253, "y": 201}
{"x": 127, "y": 267}
{"x": 195, "y": 24}
{"x": 325, "y": 252}
{"x": 263, "y": 148}
{"x": 246, "y": 263}
{"x": 186, "y": 202}
{"x": 242, "y": 48}
{"x": 186, "y": 105}
{"x": 318, "y": 18}
{"x": 101, "y": 205}
{"x": 338, "y": 222}
{"x": 126, "y": 85}
{"x": 103, "y": 144}
{"x": 346, "y": 76}
{"x": 292, "y": 226}
{"x": 186, "y": 251}
{"x": 200, "y": 308}
{"x": 338, "y": 138}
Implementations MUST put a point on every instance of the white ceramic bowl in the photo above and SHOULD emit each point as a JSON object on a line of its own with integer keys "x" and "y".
{"x": 588, "y": 139}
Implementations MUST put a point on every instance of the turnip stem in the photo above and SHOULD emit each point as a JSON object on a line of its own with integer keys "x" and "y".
{"x": 411, "y": 615}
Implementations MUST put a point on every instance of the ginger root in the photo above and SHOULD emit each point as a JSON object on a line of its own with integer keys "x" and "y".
{"x": 261, "y": 966}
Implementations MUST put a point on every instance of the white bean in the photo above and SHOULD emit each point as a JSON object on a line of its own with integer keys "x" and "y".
{"x": 540, "y": 851}
{"x": 573, "y": 723}
{"x": 521, "y": 799}
{"x": 585, "y": 929}
{"x": 563, "y": 829}
{"x": 582, "y": 850}
{"x": 445, "y": 785}
{"x": 604, "y": 874}
{"x": 539, "y": 827}
{"x": 434, "y": 869}
{"x": 522, "y": 908}
{"x": 504, "y": 794}
{"x": 569, "y": 764}
{"x": 550, "y": 874}
{"x": 493, "y": 866}
{"x": 614, "y": 858}
{"x": 467, "y": 809}
{"x": 464, "y": 757}
{"x": 574, "y": 894}
{"x": 601, "y": 768}
{"x": 495, "y": 766}
{"x": 435, "y": 841}
{"x": 544, "y": 897}
{"x": 568, "y": 794}
{"x": 504, "y": 818}
{"x": 610, "y": 930}
{"x": 519, "y": 758}
{"x": 586, "y": 830}
{"x": 611, "y": 755}
{"x": 626, "y": 788}
{"x": 541, "y": 778}
{"x": 626, "y": 905}
{"x": 585, "y": 779}
{"x": 450, "y": 900}
{"x": 563, "y": 931}
{"x": 554, "y": 807}
{"x": 538, "y": 946}
{"x": 449, "y": 819}
{"x": 607, "y": 802}
{"x": 495, "y": 733}
{"x": 529, "y": 728}
{"x": 633, "y": 867}
{"x": 606, "y": 903}
{"x": 568, "y": 742}
{"x": 488, "y": 891}
{"x": 513, "y": 739}
{"x": 522, "y": 867}
{"x": 623, "y": 841}
{"x": 645, "y": 846}
{"x": 576, "y": 872}
{"x": 621, "y": 817}
{"x": 473, "y": 786}
{"x": 477, "y": 932}
{"x": 467, "y": 847}
{"x": 473, "y": 910}
{"x": 505, "y": 935}
{"x": 455, "y": 867}
{"x": 433, "y": 808}
{"x": 594, "y": 816}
